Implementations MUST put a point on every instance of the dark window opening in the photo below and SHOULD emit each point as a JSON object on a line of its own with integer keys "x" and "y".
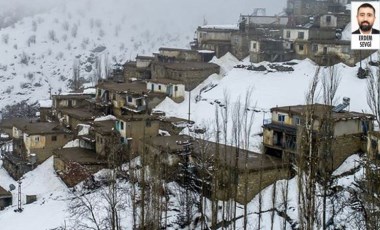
{"x": 328, "y": 19}
{"x": 315, "y": 48}
{"x": 281, "y": 118}
{"x": 301, "y": 35}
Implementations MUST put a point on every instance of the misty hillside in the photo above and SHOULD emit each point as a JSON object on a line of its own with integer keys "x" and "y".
{"x": 40, "y": 49}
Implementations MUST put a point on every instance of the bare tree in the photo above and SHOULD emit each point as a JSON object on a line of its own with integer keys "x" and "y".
{"x": 373, "y": 92}
{"x": 307, "y": 160}
{"x": 76, "y": 75}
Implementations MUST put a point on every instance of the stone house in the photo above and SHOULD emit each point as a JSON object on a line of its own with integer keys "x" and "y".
{"x": 253, "y": 21}
{"x": 6, "y": 125}
{"x": 321, "y": 45}
{"x": 299, "y": 8}
{"x": 216, "y": 38}
{"x": 168, "y": 55}
{"x": 308, "y": 32}
{"x": 45, "y": 110}
{"x": 104, "y": 137}
{"x": 71, "y": 118}
{"x": 171, "y": 88}
{"x": 260, "y": 170}
{"x": 16, "y": 165}
{"x": 281, "y": 136}
{"x": 74, "y": 165}
{"x": 139, "y": 69}
{"x": 334, "y": 20}
{"x": 190, "y": 73}
{"x": 118, "y": 98}
{"x": 329, "y": 52}
{"x": 71, "y": 100}
{"x": 273, "y": 50}
{"x": 132, "y": 128}
{"x": 39, "y": 138}
{"x": 5, "y": 198}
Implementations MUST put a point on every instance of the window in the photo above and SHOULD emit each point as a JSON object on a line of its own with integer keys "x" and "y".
{"x": 36, "y": 139}
{"x": 281, "y": 117}
{"x": 159, "y": 87}
{"x": 301, "y": 35}
{"x": 129, "y": 99}
{"x": 324, "y": 50}
{"x": 315, "y": 48}
{"x": 254, "y": 45}
{"x": 297, "y": 121}
{"x": 328, "y": 19}
{"x": 53, "y": 138}
{"x": 300, "y": 47}
{"x": 176, "y": 88}
{"x": 121, "y": 125}
{"x": 288, "y": 34}
{"x": 373, "y": 144}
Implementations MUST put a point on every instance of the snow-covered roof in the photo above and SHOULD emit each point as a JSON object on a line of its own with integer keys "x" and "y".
{"x": 221, "y": 27}
{"x": 45, "y": 103}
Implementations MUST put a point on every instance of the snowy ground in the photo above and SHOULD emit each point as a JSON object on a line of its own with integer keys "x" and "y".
{"x": 269, "y": 90}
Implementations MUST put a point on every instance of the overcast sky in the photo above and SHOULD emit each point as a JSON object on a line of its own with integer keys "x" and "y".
{"x": 214, "y": 11}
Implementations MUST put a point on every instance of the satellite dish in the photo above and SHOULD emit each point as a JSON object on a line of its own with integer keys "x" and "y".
{"x": 12, "y": 187}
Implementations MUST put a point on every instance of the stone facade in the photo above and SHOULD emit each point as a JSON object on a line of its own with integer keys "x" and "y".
{"x": 190, "y": 73}
{"x": 5, "y": 198}
{"x": 282, "y": 136}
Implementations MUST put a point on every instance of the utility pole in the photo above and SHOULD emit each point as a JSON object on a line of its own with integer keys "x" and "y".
{"x": 186, "y": 177}
{"x": 19, "y": 208}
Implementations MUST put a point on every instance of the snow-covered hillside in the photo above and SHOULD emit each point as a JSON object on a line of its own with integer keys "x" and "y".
{"x": 39, "y": 51}
{"x": 270, "y": 88}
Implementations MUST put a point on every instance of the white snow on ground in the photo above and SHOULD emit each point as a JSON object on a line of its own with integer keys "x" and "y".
{"x": 346, "y": 33}
{"x": 269, "y": 89}
{"x": 49, "y": 211}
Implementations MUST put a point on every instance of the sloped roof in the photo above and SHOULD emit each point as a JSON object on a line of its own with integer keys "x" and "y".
{"x": 130, "y": 87}
{"x": 4, "y": 193}
{"x": 256, "y": 161}
{"x": 79, "y": 155}
{"x": 187, "y": 66}
{"x": 320, "y": 110}
{"x": 104, "y": 127}
{"x": 80, "y": 114}
{"x": 41, "y": 128}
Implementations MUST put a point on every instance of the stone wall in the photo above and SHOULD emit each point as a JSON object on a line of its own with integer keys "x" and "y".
{"x": 345, "y": 146}
{"x": 256, "y": 181}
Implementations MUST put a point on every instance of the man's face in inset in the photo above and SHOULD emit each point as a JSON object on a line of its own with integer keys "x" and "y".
{"x": 366, "y": 18}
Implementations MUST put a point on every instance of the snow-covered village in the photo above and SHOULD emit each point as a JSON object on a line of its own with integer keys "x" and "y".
{"x": 239, "y": 114}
